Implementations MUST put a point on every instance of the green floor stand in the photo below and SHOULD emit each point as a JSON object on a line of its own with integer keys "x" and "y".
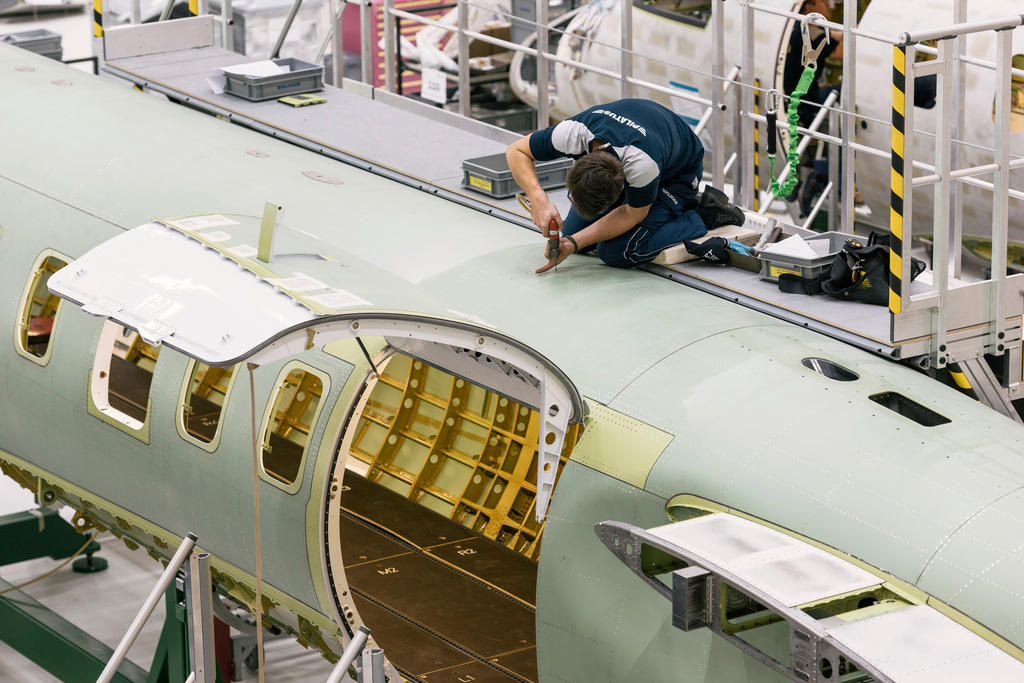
{"x": 171, "y": 659}
{"x": 55, "y": 644}
{"x": 43, "y": 533}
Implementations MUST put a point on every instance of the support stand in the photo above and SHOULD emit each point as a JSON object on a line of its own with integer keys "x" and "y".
{"x": 43, "y": 533}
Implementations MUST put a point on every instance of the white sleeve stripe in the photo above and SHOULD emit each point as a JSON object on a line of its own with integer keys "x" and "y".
{"x": 638, "y": 167}
{"x": 571, "y": 137}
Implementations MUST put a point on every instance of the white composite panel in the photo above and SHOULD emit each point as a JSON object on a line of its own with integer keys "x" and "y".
{"x": 920, "y": 645}
{"x": 784, "y": 568}
{"x": 177, "y": 291}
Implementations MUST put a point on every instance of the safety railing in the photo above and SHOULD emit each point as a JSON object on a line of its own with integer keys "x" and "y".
{"x": 835, "y": 127}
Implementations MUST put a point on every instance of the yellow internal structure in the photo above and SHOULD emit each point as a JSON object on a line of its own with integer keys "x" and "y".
{"x": 456, "y": 448}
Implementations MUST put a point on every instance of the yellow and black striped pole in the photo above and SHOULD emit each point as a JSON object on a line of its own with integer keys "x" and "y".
{"x": 899, "y": 97}
{"x": 757, "y": 146}
{"x": 958, "y": 376}
{"x": 97, "y": 18}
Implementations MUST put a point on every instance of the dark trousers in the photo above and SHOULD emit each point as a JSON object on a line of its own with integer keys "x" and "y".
{"x": 671, "y": 220}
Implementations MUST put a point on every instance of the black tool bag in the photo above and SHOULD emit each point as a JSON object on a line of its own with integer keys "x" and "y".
{"x": 858, "y": 273}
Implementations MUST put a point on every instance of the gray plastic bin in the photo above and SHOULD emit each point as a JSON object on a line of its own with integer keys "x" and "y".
{"x": 301, "y": 77}
{"x": 826, "y": 245}
{"x": 41, "y": 41}
{"x": 491, "y": 176}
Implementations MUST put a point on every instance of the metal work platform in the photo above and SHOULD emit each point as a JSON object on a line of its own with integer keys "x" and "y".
{"x": 938, "y": 321}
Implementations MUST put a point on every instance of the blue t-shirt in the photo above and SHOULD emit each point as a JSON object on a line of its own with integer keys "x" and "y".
{"x": 655, "y": 145}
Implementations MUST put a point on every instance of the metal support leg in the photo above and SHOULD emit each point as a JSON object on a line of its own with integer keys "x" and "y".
{"x": 147, "y": 607}
{"x": 355, "y": 646}
{"x": 199, "y": 602}
{"x": 986, "y": 386}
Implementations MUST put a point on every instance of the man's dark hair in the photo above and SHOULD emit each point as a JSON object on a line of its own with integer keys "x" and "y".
{"x": 595, "y": 181}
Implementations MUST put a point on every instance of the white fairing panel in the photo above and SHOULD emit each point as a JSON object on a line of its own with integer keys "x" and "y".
{"x": 175, "y": 290}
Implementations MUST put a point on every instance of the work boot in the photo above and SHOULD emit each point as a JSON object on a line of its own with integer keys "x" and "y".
{"x": 714, "y": 209}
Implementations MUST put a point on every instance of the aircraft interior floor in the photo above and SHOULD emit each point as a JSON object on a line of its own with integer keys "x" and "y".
{"x": 444, "y": 602}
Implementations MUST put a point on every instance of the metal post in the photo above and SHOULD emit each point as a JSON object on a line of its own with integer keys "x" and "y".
{"x": 166, "y": 14}
{"x": 626, "y": 53}
{"x": 349, "y": 655}
{"x": 199, "y": 601}
{"x": 739, "y": 155}
{"x": 543, "y": 104}
{"x": 154, "y": 597}
{"x": 135, "y": 12}
{"x": 747, "y": 133}
{"x": 376, "y": 665}
{"x": 717, "y": 92}
{"x": 1000, "y": 195}
{"x": 849, "y": 120}
{"x": 908, "y": 139}
{"x": 940, "y": 219}
{"x": 956, "y": 223}
{"x": 338, "y": 42}
{"x": 463, "y": 21}
{"x": 276, "y": 52}
{"x": 833, "y": 175}
{"x": 389, "y": 45}
{"x": 204, "y": 8}
{"x": 227, "y": 18}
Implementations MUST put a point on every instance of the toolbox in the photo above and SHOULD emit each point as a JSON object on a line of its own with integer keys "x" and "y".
{"x": 491, "y": 176}
{"x": 41, "y": 41}
{"x": 825, "y": 245}
{"x": 301, "y": 77}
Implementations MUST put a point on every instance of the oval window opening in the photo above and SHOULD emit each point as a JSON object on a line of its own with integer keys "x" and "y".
{"x": 830, "y": 369}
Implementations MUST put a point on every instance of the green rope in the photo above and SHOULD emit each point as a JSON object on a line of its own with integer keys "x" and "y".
{"x": 786, "y": 188}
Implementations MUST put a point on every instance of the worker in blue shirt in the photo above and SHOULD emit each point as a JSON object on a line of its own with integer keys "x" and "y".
{"x": 633, "y": 186}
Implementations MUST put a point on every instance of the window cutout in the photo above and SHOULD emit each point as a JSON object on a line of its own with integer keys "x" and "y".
{"x": 205, "y": 396}
{"x": 285, "y": 439}
{"x": 39, "y": 309}
{"x": 909, "y": 408}
{"x": 122, "y": 374}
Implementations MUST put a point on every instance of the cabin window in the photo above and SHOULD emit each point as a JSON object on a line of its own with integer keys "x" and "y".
{"x": 39, "y": 310}
{"x": 122, "y": 375}
{"x": 204, "y": 396}
{"x": 295, "y": 407}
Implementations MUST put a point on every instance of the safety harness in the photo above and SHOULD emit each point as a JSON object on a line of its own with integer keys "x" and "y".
{"x": 809, "y": 60}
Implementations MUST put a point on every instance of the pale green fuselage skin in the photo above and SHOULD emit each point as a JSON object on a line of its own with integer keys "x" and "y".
{"x": 753, "y": 429}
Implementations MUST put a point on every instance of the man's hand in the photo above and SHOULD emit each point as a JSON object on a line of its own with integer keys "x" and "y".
{"x": 565, "y": 247}
{"x": 543, "y": 213}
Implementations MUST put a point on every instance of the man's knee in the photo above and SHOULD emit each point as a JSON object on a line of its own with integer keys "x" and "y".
{"x": 616, "y": 256}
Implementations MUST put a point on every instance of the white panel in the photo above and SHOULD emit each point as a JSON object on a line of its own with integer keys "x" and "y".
{"x": 175, "y": 290}
{"x": 783, "y": 567}
{"x": 920, "y": 645}
{"x": 135, "y": 40}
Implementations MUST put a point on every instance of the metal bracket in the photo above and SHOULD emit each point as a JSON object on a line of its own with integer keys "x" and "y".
{"x": 810, "y": 52}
